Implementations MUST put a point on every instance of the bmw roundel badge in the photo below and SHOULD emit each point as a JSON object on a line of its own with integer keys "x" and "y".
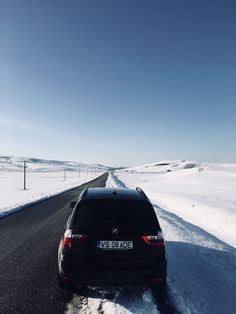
{"x": 115, "y": 230}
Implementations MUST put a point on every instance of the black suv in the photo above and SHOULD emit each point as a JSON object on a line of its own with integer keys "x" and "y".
{"x": 112, "y": 238}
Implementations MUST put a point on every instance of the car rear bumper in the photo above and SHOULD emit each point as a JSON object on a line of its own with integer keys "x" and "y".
{"x": 115, "y": 277}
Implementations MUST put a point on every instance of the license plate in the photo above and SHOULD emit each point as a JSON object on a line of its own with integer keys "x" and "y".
{"x": 115, "y": 245}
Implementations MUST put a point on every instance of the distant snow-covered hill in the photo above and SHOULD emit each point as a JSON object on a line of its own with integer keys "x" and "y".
{"x": 13, "y": 163}
{"x": 165, "y": 166}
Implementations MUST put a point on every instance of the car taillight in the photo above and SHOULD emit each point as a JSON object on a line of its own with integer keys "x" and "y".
{"x": 155, "y": 240}
{"x": 73, "y": 240}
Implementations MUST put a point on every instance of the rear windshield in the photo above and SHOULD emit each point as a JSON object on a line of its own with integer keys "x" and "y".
{"x": 121, "y": 212}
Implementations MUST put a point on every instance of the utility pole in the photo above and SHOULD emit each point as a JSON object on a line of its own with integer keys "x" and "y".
{"x": 25, "y": 174}
{"x": 64, "y": 174}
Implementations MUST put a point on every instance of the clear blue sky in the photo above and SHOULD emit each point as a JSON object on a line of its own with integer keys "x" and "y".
{"x": 118, "y": 82}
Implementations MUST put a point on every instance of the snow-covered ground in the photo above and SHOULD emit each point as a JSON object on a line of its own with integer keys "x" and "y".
{"x": 196, "y": 207}
{"x": 126, "y": 301}
{"x": 201, "y": 193}
{"x": 39, "y": 186}
{"x": 44, "y": 178}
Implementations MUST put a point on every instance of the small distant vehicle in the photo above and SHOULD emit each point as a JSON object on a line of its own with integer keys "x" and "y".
{"x": 112, "y": 239}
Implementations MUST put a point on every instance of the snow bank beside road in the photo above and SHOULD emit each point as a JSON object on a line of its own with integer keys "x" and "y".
{"x": 112, "y": 181}
{"x": 201, "y": 268}
{"x": 204, "y": 196}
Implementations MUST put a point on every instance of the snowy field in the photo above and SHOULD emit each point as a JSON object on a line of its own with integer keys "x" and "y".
{"x": 44, "y": 178}
{"x": 201, "y": 193}
{"x": 196, "y": 207}
{"x": 39, "y": 186}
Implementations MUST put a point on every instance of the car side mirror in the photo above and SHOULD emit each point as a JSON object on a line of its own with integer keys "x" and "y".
{"x": 72, "y": 204}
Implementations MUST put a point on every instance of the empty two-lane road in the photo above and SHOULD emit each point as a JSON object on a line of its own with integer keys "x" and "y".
{"x": 28, "y": 255}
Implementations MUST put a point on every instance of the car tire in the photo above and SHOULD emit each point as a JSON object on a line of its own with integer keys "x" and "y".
{"x": 159, "y": 287}
{"x": 61, "y": 282}
{"x": 70, "y": 287}
{"x": 64, "y": 285}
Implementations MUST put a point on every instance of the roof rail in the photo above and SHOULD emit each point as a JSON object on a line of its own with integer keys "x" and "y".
{"x": 141, "y": 192}
{"x": 85, "y": 191}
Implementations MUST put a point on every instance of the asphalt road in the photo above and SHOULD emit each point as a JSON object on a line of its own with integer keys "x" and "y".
{"x": 28, "y": 255}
